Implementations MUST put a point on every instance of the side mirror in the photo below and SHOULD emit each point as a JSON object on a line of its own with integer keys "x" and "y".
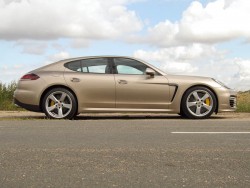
{"x": 150, "y": 72}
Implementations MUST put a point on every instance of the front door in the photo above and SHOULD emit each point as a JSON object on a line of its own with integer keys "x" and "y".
{"x": 136, "y": 90}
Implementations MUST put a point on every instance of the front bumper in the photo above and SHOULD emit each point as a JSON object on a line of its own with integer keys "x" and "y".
{"x": 227, "y": 101}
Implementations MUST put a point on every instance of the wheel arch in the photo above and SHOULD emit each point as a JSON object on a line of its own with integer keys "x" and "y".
{"x": 206, "y": 86}
{"x": 53, "y": 87}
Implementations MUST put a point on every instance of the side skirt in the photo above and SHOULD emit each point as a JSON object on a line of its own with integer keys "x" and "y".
{"x": 107, "y": 110}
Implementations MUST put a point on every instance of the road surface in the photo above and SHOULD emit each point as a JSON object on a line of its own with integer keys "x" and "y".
{"x": 139, "y": 151}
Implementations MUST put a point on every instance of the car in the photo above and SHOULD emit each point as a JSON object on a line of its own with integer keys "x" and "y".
{"x": 64, "y": 89}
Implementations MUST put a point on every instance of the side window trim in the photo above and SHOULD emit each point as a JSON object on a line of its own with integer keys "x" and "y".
{"x": 113, "y": 67}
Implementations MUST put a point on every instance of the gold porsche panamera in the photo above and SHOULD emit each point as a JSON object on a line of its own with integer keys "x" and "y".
{"x": 119, "y": 84}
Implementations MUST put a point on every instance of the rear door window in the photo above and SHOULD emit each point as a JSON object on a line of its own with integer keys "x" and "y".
{"x": 74, "y": 66}
{"x": 93, "y": 65}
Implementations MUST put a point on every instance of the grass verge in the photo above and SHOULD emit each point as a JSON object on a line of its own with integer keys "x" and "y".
{"x": 6, "y": 96}
{"x": 243, "y": 103}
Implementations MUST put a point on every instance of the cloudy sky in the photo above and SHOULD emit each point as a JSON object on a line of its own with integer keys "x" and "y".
{"x": 206, "y": 37}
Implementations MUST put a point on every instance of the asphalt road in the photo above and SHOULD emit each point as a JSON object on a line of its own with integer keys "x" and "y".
{"x": 125, "y": 152}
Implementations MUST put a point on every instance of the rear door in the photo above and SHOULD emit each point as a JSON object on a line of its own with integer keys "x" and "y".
{"x": 93, "y": 83}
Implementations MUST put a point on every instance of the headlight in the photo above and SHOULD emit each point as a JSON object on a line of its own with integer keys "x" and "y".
{"x": 219, "y": 82}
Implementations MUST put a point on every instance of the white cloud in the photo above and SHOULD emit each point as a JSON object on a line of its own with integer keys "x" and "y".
{"x": 10, "y": 73}
{"x": 181, "y": 53}
{"x": 80, "y": 43}
{"x": 57, "y": 57}
{"x": 244, "y": 66}
{"x": 244, "y": 74}
{"x": 83, "y": 19}
{"x": 32, "y": 47}
{"x": 218, "y": 21}
{"x": 171, "y": 60}
{"x": 188, "y": 46}
{"x": 180, "y": 68}
{"x": 181, "y": 59}
{"x": 200, "y": 60}
{"x": 54, "y": 58}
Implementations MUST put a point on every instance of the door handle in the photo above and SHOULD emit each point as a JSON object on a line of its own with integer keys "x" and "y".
{"x": 122, "y": 82}
{"x": 75, "y": 80}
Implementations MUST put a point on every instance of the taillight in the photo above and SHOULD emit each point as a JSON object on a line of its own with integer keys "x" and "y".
{"x": 30, "y": 77}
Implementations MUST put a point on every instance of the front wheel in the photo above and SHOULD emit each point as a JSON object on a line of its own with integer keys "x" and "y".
{"x": 198, "y": 103}
{"x": 60, "y": 103}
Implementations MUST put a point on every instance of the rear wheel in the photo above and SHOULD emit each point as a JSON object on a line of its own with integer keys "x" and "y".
{"x": 198, "y": 103}
{"x": 60, "y": 103}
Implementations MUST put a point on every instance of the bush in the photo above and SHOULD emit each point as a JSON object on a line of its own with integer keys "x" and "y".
{"x": 243, "y": 103}
{"x": 6, "y": 96}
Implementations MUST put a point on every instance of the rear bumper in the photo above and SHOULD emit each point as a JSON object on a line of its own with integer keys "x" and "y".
{"x": 34, "y": 108}
{"x": 27, "y": 94}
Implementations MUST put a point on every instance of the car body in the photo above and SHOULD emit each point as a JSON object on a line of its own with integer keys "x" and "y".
{"x": 119, "y": 84}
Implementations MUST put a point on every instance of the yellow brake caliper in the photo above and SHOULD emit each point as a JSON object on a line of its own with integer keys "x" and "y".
{"x": 52, "y": 103}
{"x": 207, "y": 101}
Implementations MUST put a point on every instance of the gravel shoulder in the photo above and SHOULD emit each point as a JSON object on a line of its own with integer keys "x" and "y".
{"x": 33, "y": 115}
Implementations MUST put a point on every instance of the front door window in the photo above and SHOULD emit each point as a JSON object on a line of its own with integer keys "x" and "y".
{"x": 129, "y": 66}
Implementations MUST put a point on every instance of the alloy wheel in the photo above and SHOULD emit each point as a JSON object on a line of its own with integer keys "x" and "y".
{"x": 58, "y": 104}
{"x": 199, "y": 103}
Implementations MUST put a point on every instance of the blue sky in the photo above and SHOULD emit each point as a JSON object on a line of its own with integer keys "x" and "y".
{"x": 206, "y": 37}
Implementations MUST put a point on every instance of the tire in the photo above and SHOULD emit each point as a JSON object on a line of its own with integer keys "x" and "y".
{"x": 198, "y": 103}
{"x": 59, "y": 103}
{"x": 182, "y": 114}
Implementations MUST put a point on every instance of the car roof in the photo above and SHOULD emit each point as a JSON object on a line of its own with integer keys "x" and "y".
{"x": 105, "y": 56}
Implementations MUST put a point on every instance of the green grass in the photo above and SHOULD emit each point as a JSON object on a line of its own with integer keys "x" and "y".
{"x": 243, "y": 103}
{"x": 7, "y": 91}
{"x": 6, "y": 96}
